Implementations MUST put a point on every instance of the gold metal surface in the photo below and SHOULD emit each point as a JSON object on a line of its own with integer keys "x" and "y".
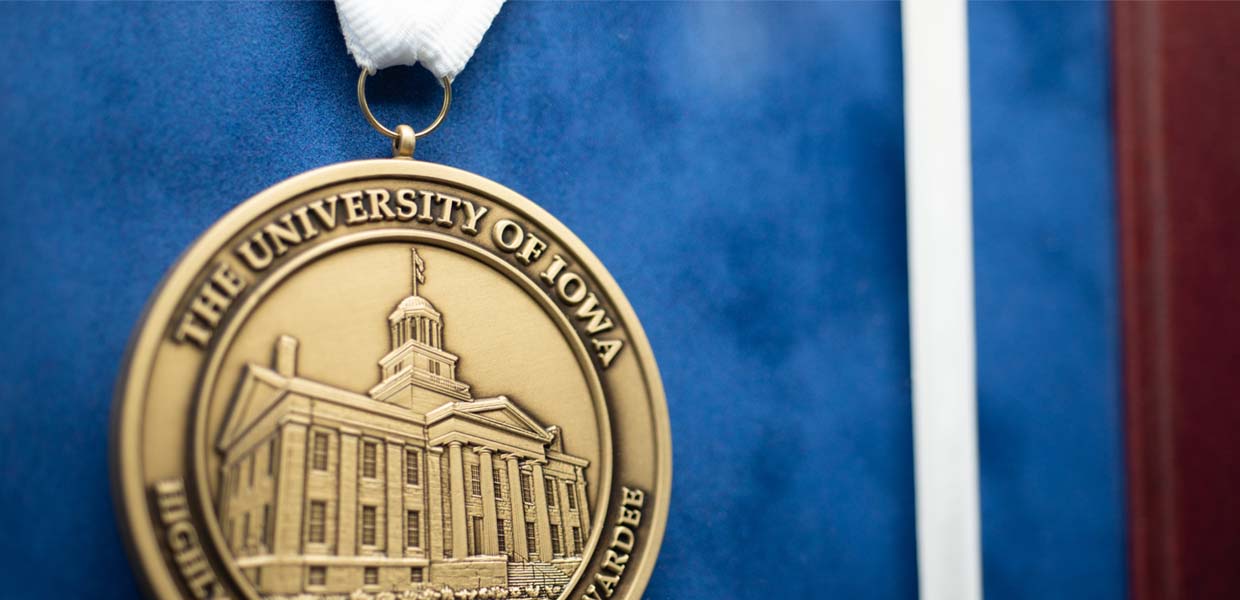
{"x": 370, "y": 117}
{"x": 405, "y": 142}
{"x": 391, "y": 377}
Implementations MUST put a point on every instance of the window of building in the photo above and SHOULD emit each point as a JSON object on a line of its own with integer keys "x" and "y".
{"x": 531, "y": 540}
{"x": 371, "y": 576}
{"x": 265, "y": 532}
{"x": 415, "y": 574}
{"x": 413, "y": 529}
{"x": 549, "y": 487}
{"x": 271, "y": 457}
{"x": 317, "y": 577}
{"x": 556, "y": 547}
{"x": 527, "y": 488}
{"x": 434, "y": 367}
{"x": 250, "y": 462}
{"x": 317, "y": 533}
{"x": 572, "y": 497}
{"x": 412, "y": 464}
{"x": 475, "y": 480}
{"x": 368, "y": 525}
{"x": 577, "y": 541}
{"x": 235, "y": 477}
{"x": 500, "y": 538}
{"x": 477, "y": 537}
{"x": 497, "y": 483}
{"x": 370, "y": 451}
{"x": 245, "y": 530}
{"x": 318, "y": 451}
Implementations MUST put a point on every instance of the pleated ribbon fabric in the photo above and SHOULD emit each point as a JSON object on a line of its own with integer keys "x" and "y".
{"x": 441, "y": 35}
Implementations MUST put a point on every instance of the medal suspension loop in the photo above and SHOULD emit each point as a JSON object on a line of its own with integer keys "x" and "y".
{"x": 404, "y": 138}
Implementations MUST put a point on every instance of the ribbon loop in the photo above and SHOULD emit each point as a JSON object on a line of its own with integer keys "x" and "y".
{"x": 441, "y": 35}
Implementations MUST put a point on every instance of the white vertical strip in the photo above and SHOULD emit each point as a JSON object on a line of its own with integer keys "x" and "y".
{"x": 940, "y": 262}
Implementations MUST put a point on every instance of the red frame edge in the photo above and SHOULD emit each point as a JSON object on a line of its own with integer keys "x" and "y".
{"x": 1177, "y": 130}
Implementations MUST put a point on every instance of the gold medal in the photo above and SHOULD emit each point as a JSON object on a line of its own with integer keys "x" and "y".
{"x": 391, "y": 379}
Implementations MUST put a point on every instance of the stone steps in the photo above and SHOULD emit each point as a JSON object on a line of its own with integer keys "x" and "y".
{"x": 535, "y": 574}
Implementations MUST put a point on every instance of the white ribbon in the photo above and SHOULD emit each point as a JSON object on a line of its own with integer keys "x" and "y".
{"x": 941, "y": 319}
{"x": 439, "y": 34}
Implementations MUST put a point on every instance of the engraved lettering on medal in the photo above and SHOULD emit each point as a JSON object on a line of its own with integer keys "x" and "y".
{"x": 183, "y": 540}
{"x": 303, "y": 219}
{"x": 428, "y": 199}
{"x": 531, "y": 249}
{"x": 378, "y": 202}
{"x": 208, "y": 306}
{"x": 283, "y": 233}
{"x": 571, "y": 289}
{"x": 507, "y": 234}
{"x": 447, "y": 205}
{"x": 473, "y": 214}
{"x": 623, "y": 538}
{"x": 357, "y": 207}
{"x": 511, "y": 237}
{"x": 325, "y": 211}
{"x": 345, "y": 450}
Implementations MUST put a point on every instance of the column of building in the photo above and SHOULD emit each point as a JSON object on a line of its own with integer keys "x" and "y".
{"x": 566, "y": 517}
{"x": 458, "y": 490}
{"x": 456, "y": 472}
{"x": 583, "y": 503}
{"x": 490, "y": 537}
{"x": 290, "y": 486}
{"x": 543, "y": 527}
{"x": 394, "y": 516}
{"x": 346, "y": 523}
{"x": 517, "y": 502}
{"x": 434, "y": 502}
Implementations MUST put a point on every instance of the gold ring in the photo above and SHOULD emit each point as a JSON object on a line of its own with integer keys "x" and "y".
{"x": 370, "y": 117}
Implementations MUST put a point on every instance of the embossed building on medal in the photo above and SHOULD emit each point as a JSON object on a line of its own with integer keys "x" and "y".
{"x": 327, "y": 490}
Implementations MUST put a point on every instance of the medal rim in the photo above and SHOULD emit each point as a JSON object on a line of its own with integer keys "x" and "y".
{"x": 129, "y": 489}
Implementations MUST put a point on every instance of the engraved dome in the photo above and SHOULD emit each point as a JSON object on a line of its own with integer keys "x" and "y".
{"x": 415, "y": 303}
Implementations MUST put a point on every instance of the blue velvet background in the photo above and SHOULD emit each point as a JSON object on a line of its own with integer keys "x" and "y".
{"x": 1049, "y": 422}
{"x": 740, "y": 171}
{"x": 738, "y": 168}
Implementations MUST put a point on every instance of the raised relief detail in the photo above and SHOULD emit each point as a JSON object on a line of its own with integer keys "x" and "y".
{"x": 413, "y": 485}
{"x": 183, "y": 541}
